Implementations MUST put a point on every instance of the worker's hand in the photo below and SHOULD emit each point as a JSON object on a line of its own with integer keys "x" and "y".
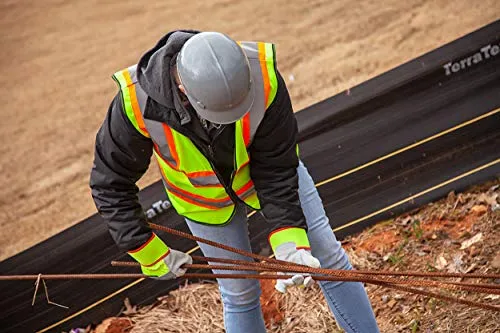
{"x": 291, "y": 244}
{"x": 170, "y": 267}
{"x": 288, "y": 252}
{"x": 160, "y": 262}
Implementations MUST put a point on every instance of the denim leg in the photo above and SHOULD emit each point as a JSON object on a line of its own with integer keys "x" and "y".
{"x": 240, "y": 297}
{"x": 347, "y": 300}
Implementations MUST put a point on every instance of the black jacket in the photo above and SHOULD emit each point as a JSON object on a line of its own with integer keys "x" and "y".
{"x": 122, "y": 155}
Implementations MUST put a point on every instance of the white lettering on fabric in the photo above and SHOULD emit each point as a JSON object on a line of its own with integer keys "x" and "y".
{"x": 484, "y": 53}
{"x": 158, "y": 208}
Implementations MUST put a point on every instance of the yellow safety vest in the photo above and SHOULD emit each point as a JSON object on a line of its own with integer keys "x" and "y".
{"x": 190, "y": 181}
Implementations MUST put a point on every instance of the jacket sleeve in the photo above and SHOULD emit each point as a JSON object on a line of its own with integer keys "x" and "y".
{"x": 274, "y": 162}
{"x": 122, "y": 156}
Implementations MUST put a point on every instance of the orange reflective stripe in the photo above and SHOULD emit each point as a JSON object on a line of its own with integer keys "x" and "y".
{"x": 197, "y": 179}
{"x": 246, "y": 129}
{"x": 171, "y": 144}
{"x": 143, "y": 245}
{"x": 135, "y": 103}
{"x": 150, "y": 252}
{"x": 243, "y": 165}
{"x": 180, "y": 196}
{"x": 200, "y": 174}
{"x": 245, "y": 188}
{"x": 196, "y": 196}
{"x": 196, "y": 203}
{"x": 204, "y": 179}
{"x": 263, "y": 68}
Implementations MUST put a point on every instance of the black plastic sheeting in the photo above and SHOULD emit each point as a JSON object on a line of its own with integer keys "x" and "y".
{"x": 390, "y": 144}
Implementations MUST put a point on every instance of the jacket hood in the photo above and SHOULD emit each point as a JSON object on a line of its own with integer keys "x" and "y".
{"x": 153, "y": 70}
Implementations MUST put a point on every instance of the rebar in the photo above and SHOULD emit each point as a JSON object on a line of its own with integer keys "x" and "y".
{"x": 456, "y": 286}
{"x": 246, "y": 276}
{"x": 267, "y": 264}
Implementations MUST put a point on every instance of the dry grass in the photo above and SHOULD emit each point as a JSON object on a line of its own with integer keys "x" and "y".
{"x": 431, "y": 239}
{"x": 198, "y": 308}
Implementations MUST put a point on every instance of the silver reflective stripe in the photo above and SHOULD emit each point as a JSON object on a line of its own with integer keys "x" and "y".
{"x": 157, "y": 133}
{"x": 204, "y": 180}
{"x": 141, "y": 95}
{"x": 132, "y": 70}
{"x": 155, "y": 128}
{"x": 215, "y": 205}
{"x": 258, "y": 110}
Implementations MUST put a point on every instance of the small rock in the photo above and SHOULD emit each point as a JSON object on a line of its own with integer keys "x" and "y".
{"x": 385, "y": 298}
{"x": 495, "y": 263}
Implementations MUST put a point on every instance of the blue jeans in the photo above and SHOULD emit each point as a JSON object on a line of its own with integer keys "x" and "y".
{"x": 241, "y": 298}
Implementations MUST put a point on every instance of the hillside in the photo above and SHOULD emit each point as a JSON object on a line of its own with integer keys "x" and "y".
{"x": 58, "y": 56}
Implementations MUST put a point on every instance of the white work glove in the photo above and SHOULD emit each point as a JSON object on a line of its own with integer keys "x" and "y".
{"x": 173, "y": 262}
{"x": 288, "y": 252}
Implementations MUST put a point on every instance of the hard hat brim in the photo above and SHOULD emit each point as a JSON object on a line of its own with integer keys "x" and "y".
{"x": 228, "y": 116}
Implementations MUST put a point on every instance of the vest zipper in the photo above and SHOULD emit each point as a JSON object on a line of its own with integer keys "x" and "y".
{"x": 229, "y": 190}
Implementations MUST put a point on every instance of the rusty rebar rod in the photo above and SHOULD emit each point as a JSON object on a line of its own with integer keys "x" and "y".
{"x": 455, "y": 286}
{"x": 268, "y": 260}
{"x": 283, "y": 266}
{"x": 357, "y": 272}
{"x": 246, "y": 276}
{"x": 321, "y": 270}
{"x": 368, "y": 272}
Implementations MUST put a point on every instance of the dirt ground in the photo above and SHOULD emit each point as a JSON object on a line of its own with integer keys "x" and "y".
{"x": 57, "y": 58}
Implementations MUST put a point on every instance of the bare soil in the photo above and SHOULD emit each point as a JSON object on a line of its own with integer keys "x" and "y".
{"x": 57, "y": 57}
